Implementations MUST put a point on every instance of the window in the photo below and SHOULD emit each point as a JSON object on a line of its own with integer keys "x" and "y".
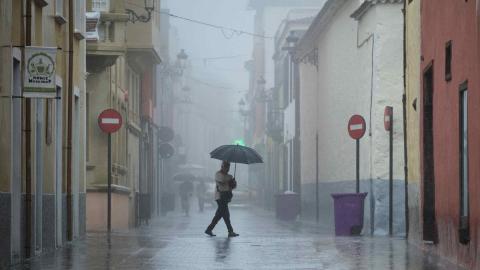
{"x": 59, "y": 7}
{"x": 464, "y": 206}
{"x": 100, "y": 5}
{"x": 448, "y": 61}
{"x": 80, "y": 15}
{"x": 133, "y": 84}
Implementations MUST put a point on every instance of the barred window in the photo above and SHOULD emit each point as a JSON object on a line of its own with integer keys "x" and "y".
{"x": 100, "y": 5}
{"x": 59, "y": 7}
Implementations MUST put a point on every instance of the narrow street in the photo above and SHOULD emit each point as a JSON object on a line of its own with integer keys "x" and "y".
{"x": 178, "y": 242}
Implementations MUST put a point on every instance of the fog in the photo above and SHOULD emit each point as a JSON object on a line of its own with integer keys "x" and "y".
{"x": 216, "y": 75}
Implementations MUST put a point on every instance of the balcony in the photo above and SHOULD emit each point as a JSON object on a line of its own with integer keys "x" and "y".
{"x": 105, "y": 35}
{"x": 274, "y": 127}
{"x": 143, "y": 38}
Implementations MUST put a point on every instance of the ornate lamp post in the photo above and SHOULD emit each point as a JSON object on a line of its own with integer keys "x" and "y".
{"x": 182, "y": 59}
{"x": 149, "y": 7}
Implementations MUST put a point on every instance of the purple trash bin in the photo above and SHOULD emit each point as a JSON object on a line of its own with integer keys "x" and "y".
{"x": 348, "y": 213}
{"x": 287, "y": 205}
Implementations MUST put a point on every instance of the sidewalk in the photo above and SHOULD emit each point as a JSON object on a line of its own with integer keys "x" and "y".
{"x": 178, "y": 242}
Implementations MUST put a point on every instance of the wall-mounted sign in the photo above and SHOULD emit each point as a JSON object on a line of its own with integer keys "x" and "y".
{"x": 39, "y": 81}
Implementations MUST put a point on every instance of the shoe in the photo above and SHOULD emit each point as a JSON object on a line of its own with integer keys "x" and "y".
{"x": 232, "y": 234}
{"x": 210, "y": 233}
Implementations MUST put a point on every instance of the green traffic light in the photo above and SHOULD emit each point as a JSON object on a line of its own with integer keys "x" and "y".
{"x": 239, "y": 142}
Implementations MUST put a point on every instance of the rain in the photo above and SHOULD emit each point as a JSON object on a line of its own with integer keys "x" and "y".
{"x": 239, "y": 134}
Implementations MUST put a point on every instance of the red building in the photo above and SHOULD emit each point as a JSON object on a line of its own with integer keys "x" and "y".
{"x": 450, "y": 129}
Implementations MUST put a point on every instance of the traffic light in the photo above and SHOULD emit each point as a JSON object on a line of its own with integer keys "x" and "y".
{"x": 239, "y": 142}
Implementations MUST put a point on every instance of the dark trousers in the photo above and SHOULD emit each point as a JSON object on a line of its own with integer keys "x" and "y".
{"x": 222, "y": 212}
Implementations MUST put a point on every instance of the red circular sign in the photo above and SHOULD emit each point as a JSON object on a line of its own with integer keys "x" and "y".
{"x": 110, "y": 121}
{"x": 356, "y": 127}
{"x": 387, "y": 118}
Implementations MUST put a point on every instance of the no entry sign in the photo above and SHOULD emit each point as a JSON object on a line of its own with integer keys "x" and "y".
{"x": 110, "y": 121}
{"x": 356, "y": 127}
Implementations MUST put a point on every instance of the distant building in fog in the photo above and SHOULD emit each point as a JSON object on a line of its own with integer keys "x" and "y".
{"x": 269, "y": 15}
{"x": 122, "y": 59}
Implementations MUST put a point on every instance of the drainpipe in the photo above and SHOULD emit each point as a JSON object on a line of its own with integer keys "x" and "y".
{"x": 28, "y": 151}
{"x": 360, "y": 45}
{"x": 404, "y": 99}
{"x": 69, "y": 122}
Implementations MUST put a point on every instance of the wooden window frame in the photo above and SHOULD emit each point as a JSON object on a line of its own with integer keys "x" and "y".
{"x": 448, "y": 60}
{"x": 464, "y": 219}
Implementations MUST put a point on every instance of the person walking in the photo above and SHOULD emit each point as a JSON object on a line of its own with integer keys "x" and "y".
{"x": 201, "y": 190}
{"x": 225, "y": 183}
{"x": 185, "y": 192}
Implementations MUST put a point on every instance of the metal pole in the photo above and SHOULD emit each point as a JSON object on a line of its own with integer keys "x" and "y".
{"x": 390, "y": 188}
{"x": 405, "y": 158}
{"x": 316, "y": 180}
{"x": 109, "y": 187}
{"x": 158, "y": 183}
{"x": 358, "y": 166}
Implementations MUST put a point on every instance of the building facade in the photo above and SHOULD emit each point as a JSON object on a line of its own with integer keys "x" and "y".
{"x": 412, "y": 110}
{"x": 122, "y": 57}
{"x": 282, "y": 107}
{"x": 449, "y": 129}
{"x": 351, "y": 62}
{"x": 268, "y": 18}
{"x": 42, "y": 173}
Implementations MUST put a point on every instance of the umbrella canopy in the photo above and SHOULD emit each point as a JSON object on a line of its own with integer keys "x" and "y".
{"x": 236, "y": 154}
{"x": 183, "y": 177}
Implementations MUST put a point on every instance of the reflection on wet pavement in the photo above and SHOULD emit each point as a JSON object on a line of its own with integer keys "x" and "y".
{"x": 178, "y": 242}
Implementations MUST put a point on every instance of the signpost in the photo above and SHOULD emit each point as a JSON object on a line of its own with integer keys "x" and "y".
{"x": 165, "y": 150}
{"x": 356, "y": 130}
{"x": 388, "y": 123}
{"x": 109, "y": 121}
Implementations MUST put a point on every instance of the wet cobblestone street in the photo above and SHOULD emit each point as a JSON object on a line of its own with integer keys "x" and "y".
{"x": 178, "y": 242}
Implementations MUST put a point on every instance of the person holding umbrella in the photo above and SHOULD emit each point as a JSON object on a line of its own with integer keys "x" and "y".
{"x": 225, "y": 183}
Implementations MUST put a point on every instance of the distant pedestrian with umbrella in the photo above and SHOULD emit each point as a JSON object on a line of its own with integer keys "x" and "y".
{"x": 225, "y": 182}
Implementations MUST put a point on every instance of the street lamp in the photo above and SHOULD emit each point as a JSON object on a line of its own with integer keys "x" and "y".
{"x": 261, "y": 95}
{"x": 149, "y": 6}
{"x": 241, "y": 108}
{"x": 291, "y": 40}
{"x": 182, "y": 59}
{"x": 241, "y": 103}
{"x": 175, "y": 70}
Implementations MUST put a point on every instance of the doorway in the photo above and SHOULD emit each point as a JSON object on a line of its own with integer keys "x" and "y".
{"x": 76, "y": 162}
{"x": 429, "y": 223}
{"x": 16, "y": 161}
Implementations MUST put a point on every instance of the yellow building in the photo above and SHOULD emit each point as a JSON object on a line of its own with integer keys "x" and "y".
{"x": 412, "y": 80}
{"x": 42, "y": 169}
{"x": 122, "y": 54}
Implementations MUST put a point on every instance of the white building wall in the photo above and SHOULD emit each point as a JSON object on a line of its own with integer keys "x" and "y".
{"x": 345, "y": 88}
{"x": 308, "y": 121}
{"x": 343, "y": 91}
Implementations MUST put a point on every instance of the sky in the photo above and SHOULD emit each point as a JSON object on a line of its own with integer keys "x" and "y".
{"x": 201, "y": 42}
{"x": 216, "y": 86}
